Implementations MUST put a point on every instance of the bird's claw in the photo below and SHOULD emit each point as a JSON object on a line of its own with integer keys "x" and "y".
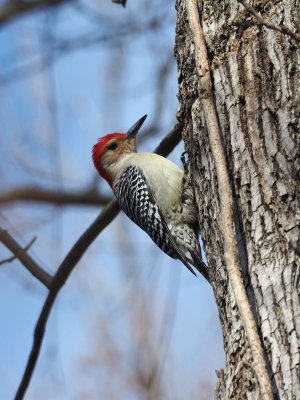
{"x": 184, "y": 163}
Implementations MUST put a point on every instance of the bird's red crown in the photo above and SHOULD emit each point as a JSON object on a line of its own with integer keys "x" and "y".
{"x": 98, "y": 149}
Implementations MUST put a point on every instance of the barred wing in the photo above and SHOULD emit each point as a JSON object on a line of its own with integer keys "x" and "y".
{"x": 138, "y": 203}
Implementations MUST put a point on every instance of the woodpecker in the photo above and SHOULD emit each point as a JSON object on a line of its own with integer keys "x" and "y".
{"x": 154, "y": 193}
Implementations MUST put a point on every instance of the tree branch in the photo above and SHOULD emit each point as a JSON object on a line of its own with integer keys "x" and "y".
{"x": 260, "y": 21}
{"x": 226, "y": 201}
{"x": 72, "y": 258}
{"x": 123, "y": 2}
{"x": 25, "y": 258}
{"x": 59, "y": 279}
{"x": 57, "y": 197}
{"x": 26, "y": 248}
{"x": 13, "y": 8}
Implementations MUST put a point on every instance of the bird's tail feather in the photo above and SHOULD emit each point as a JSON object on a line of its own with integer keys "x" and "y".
{"x": 200, "y": 265}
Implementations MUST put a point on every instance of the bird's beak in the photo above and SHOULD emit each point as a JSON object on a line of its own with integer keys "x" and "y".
{"x": 135, "y": 128}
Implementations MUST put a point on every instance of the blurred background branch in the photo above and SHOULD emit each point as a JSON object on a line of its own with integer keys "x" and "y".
{"x": 122, "y": 2}
{"x": 24, "y": 257}
{"x": 10, "y": 259}
{"x": 14, "y": 8}
{"x": 56, "y": 197}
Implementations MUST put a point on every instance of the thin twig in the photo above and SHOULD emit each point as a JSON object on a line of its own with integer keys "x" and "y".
{"x": 226, "y": 202}
{"x": 25, "y": 258}
{"x": 261, "y": 21}
{"x": 72, "y": 258}
{"x": 12, "y": 258}
{"x": 57, "y": 197}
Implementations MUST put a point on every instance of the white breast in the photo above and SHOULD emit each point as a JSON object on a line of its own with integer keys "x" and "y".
{"x": 163, "y": 176}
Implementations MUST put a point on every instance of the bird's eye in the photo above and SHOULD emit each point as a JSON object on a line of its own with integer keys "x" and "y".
{"x": 113, "y": 146}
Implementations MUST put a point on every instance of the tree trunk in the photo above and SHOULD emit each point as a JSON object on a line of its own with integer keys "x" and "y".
{"x": 256, "y": 80}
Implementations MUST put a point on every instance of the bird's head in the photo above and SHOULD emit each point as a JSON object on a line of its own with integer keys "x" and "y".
{"x": 110, "y": 147}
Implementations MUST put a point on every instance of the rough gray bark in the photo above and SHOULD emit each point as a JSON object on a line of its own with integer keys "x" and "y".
{"x": 256, "y": 80}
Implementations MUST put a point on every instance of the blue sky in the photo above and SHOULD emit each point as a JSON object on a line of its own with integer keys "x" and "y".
{"x": 95, "y": 90}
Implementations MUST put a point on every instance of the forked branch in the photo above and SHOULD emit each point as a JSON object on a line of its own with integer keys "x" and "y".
{"x": 25, "y": 258}
{"x": 14, "y": 257}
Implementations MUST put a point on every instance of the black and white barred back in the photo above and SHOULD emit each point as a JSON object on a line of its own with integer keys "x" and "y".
{"x": 177, "y": 239}
{"x": 139, "y": 205}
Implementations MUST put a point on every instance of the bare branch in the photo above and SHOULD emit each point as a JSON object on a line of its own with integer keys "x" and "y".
{"x": 11, "y": 259}
{"x": 59, "y": 279}
{"x": 226, "y": 202}
{"x": 13, "y": 8}
{"x": 72, "y": 258}
{"x": 123, "y": 2}
{"x": 57, "y": 197}
{"x": 25, "y": 258}
{"x": 260, "y": 21}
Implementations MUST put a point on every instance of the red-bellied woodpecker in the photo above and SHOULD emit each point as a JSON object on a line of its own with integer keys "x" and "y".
{"x": 154, "y": 193}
